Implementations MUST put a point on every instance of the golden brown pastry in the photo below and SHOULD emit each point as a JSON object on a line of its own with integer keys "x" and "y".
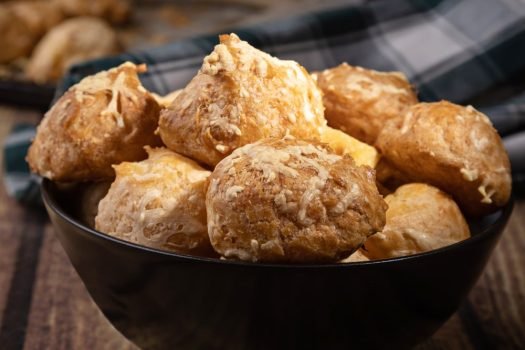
{"x": 454, "y": 148}
{"x": 72, "y": 41}
{"x": 22, "y": 24}
{"x": 359, "y": 101}
{"x": 166, "y": 100}
{"x": 287, "y": 200}
{"x": 239, "y": 96}
{"x": 343, "y": 143}
{"x": 357, "y": 256}
{"x": 114, "y": 11}
{"x": 158, "y": 202}
{"x": 105, "y": 119}
{"x": 419, "y": 218}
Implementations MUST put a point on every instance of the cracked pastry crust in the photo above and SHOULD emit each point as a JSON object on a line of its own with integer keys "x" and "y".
{"x": 158, "y": 202}
{"x": 239, "y": 96}
{"x": 419, "y": 218}
{"x": 22, "y": 24}
{"x": 451, "y": 147}
{"x": 103, "y": 120}
{"x": 359, "y": 101}
{"x": 70, "y": 42}
{"x": 287, "y": 200}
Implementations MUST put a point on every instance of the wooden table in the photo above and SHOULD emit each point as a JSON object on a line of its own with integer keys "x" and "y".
{"x": 44, "y": 305}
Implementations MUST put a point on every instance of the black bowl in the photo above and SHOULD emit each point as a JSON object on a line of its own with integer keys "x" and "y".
{"x": 161, "y": 300}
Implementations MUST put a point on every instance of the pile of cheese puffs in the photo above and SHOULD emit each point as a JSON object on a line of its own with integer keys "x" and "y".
{"x": 258, "y": 160}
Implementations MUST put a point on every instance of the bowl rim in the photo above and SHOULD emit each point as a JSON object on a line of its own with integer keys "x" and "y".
{"x": 498, "y": 224}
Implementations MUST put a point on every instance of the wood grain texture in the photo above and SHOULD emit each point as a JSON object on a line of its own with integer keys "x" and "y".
{"x": 498, "y": 301}
{"x": 19, "y": 238}
{"x": 493, "y": 317}
{"x": 9, "y": 243}
{"x": 63, "y": 316}
{"x": 451, "y": 336}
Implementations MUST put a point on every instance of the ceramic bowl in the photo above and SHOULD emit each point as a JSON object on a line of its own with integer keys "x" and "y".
{"x": 163, "y": 300}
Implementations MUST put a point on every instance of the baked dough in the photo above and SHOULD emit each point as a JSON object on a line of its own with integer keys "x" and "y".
{"x": 359, "y": 101}
{"x": 454, "y": 148}
{"x": 419, "y": 218}
{"x": 105, "y": 119}
{"x": 70, "y": 42}
{"x": 239, "y": 96}
{"x": 158, "y": 202}
{"x": 22, "y": 24}
{"x": 357, "y": 256}
{"x": 343, "y": 143}
{"x": 114, "y": 11}
{"x": 287, "y": 200}
{"x": 166, "y": 100}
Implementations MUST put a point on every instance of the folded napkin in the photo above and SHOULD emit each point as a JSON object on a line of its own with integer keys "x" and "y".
{"x": 465, "y": 51}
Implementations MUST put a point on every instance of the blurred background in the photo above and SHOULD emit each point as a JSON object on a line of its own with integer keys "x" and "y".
{"x": 41, "y": 39}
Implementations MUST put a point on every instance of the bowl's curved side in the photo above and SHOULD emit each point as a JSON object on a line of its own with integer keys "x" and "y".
{"x": 165, "y": 301}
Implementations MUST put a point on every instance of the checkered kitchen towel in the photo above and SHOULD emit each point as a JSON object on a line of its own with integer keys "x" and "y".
{"x": 465, "y": 51}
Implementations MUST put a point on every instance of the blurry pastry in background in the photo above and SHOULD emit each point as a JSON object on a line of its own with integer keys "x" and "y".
{"x": 38, "y": 16}
{"x": 105, "y": 119}
{"x": 158, "y": 202}
{"x": 357, "y": 256}
{"x": 16, "y": 40}
{"x": 73, "y": 41}
{"x": 288, "y": 200}
{"x": 359, "y": 101}
{"x": 114, "y": 11}
{"x": 342, "y": 143}
{"x": 241, "y": 95}
{"x": 22, "y": 24}
{"x": 419, "y": 218}
{"x": 451, "y": 147}
{"x": 166, "y": 100}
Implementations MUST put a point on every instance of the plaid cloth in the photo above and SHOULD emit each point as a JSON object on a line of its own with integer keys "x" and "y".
{"x": 465, "y": 51}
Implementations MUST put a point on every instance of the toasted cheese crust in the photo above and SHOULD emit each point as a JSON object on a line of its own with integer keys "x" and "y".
{"x": 286, "y": 200}
{"x": 103, "y": 120}
{"x": 239, "y": 96}
{"x": 158, "y": 202}
{"x": 419, "y": 218}
{"x": 451, "y": 147}
{"x": 360, "y": 101}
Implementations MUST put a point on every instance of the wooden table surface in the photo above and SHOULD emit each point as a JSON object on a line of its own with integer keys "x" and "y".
{"x": 44, "y": 305}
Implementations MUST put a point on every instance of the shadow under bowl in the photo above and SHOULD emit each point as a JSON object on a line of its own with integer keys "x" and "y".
{"x": 163, "y": 300}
